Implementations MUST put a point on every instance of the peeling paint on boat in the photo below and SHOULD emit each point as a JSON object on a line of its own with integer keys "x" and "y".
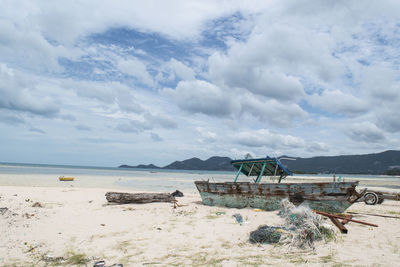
{"x": 330, "y": 197}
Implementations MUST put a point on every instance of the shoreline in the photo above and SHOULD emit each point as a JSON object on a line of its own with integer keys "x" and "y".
{"x": 165, "y": 182}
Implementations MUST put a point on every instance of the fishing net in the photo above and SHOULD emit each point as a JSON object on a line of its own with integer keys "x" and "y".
{"x": 301, "y": 228}
{"x": 266, "y": 234}
{"x": 304, "y": 226}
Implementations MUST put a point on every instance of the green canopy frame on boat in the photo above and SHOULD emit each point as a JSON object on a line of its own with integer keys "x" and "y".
{"x": 261, "y": 167}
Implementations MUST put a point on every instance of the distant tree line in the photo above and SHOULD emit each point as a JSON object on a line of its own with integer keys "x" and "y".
{"x": 393, "y": 172}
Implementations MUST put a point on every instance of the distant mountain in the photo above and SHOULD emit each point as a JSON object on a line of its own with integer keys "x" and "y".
{"x": 211, "y": 164}
{"x": 379, "y": 163}
{"x": 141, "y": 166}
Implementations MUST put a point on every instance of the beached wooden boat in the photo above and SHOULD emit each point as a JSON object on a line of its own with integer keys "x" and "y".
{"x": 62, "y": 178}
{"x": 329, "y": 196}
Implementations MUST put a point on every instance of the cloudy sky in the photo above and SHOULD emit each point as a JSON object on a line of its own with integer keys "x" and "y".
{"x": 104, "y": 83}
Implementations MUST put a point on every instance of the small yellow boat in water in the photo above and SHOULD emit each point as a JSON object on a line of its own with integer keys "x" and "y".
{"x": 62, "y": 178}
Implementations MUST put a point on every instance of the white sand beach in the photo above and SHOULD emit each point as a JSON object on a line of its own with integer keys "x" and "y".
{"x": 76, "y": 226}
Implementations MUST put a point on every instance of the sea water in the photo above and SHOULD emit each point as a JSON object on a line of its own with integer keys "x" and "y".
{"x": 157, "y": 180}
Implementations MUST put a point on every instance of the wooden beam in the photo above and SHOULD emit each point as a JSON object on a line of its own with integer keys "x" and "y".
{"x": 139, "y": 198}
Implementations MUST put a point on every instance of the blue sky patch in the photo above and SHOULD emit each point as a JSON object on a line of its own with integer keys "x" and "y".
{"x": 218, "y": 31}
{"x": 317, "y": 111}
{"x": 151, "y": 48}
{"x": 153, "y": 44}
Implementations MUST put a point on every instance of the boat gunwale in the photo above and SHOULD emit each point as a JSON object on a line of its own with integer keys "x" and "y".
{"x": 305, "y": 183}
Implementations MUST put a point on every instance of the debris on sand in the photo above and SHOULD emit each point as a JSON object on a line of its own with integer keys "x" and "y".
{"x": 340, "y": 221}
{"x": 37, "y": 205}
{"x": 305, "y": 227}
{"x": 177, "y": 193}
{"x": 238, "y": 218}
{"x": 53, "y": 259}
{"x": 301, "y": 228}
{"x": 3, "y": 210}
{"x": 103, "y": 264}
{"x": 7, "y": 212}
{"x": 266, "y": 234}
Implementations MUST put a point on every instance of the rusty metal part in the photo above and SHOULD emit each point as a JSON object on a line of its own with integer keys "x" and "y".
{"x": 377, "y": 215}
{"x": 348, "y": 217}
{"x": 329, "y": 215}
{"x": 338, "y": 224}
{"x": 387, "y": 195}
{"x": 371, "y": 198}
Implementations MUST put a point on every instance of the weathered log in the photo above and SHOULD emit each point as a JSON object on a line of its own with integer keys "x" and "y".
{"x": 124, "y": 198}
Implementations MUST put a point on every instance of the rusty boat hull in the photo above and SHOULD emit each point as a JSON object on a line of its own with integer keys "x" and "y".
{"x": 329, "y": 197}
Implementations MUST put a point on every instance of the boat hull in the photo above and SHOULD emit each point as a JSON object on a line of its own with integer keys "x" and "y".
{"x": 329, "y": 197}
{"x": 65, "y": 179}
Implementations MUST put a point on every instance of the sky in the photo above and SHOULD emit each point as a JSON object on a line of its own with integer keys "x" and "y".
{"x": 104, "y": 83}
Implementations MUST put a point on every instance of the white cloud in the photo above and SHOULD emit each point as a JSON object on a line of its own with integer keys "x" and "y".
{"x": 335, "y": 101}
{"x": 180, "y": 70}
{"x": 36, "y": 130}
{"x": 135, "y": 68}
{"x": 380, "y": 83}
{"x": 275, "y": 112}
{"x": 134, "y": 126}
{"x": 127, "y": 102}
{"x": 259, "y": 79}
{"x": 68, "y": 20}
{"x": 274, "y": 59}
{"x": 155, "y": 137}
{"x": 206, "y": 136}
{"x": 317, "y": 147}
{"x": 266, "y": 138}
{"x": 22, "y": 45}
{"x": 108, "y": 93}
{"x": 9, "y": 118}
{"x": 164, "y": 121}
{"x": 387, "y": 118}
{"x": 22, "y": 93}
{"x": 366, "y": 132}
{"x": 83, "y": 127}
{"x": 209, "y": 99}
{"x": 203, "y": 97}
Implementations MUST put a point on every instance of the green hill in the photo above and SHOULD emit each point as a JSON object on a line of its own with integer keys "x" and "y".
{"x": 387, "y": 162}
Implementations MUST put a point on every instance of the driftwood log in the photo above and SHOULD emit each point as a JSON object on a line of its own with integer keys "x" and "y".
{"x": 124, "y": 198}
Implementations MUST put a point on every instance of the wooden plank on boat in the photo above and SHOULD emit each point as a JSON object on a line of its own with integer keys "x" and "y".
{"x": 139, "y": 198}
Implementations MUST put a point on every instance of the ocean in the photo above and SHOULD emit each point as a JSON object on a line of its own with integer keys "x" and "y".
{"x": 15, "y": 174}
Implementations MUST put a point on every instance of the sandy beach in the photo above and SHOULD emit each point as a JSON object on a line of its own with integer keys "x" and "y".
{"x": 49, "y": 226}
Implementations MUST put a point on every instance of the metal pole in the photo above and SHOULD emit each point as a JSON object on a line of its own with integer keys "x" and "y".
{"x": 250, "y": 169}
{"x": 261, "y": 173}
{"x": 237, "y": 175}
{"x": 276, "y": 168}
